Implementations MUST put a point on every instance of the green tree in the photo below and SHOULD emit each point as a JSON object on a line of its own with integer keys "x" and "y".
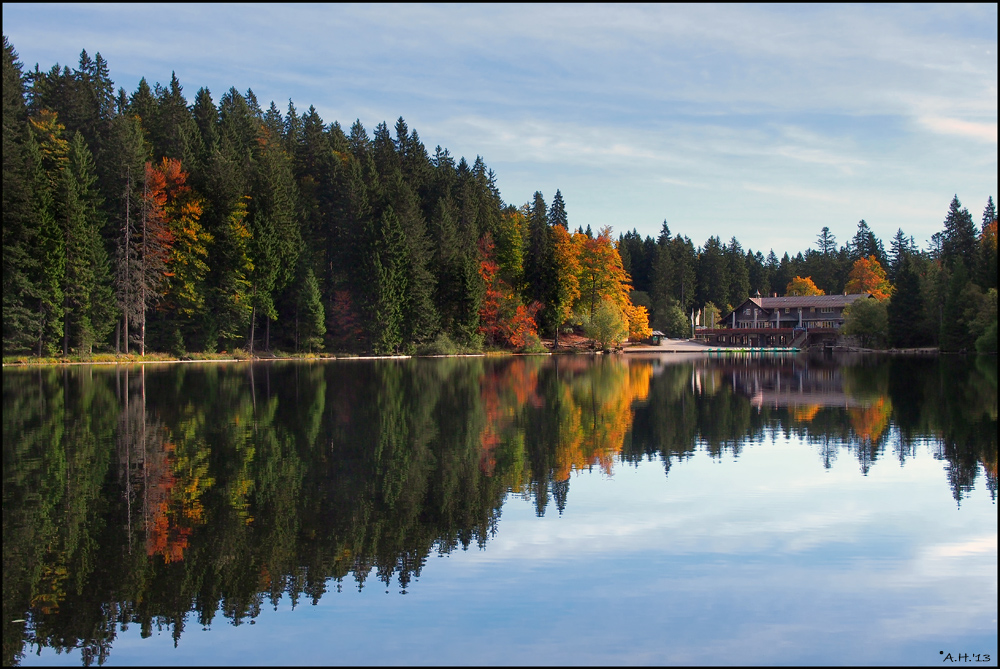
{"x": 538, "y": 254}
{"x": 387, "y": 280}
{"x": 607, "y": 325}
{"x": 865, "y": 244}
{"x": 714, "y": 277}
{"x": 959, "y": 242}
{"x": 905, "y": 311}
{"x": 867, "y": 320}
{"x": 739, "y": 277}
{"x": 663, "y": 278}
{"x": 557, "y": 212}
{"x": 955, "y": 332}
{"x": 311, "y": 321}
{"x": 987, "y": 276}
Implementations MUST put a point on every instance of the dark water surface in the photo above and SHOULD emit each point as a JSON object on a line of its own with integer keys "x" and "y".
{"x": 571, "y": 510}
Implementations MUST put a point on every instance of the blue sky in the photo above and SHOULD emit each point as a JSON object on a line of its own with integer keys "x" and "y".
{"x": 763, "y": 122}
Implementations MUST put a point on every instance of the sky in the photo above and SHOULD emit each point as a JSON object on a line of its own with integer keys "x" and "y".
{"x": 766, "y": 123}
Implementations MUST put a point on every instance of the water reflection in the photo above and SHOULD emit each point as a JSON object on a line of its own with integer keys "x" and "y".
{"x": 138, "y": 495}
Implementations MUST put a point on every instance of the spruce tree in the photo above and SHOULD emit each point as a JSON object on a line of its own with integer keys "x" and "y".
{"x": 905, "y": 309}
{"x": 663, "y": 277}
{"x": 538, "y": 254}
{"x": 955, "y": 333}
{"x": 959, "y": 242}
{"x": 739, "y": 277}
{"x": 311, "y": 319}
{"x": 557, "y": 212}
{"x": 713, "y": 274}
{"x": 987, "y": 256}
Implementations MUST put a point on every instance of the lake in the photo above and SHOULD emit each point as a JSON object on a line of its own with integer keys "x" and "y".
{"x": 638, "y": 509}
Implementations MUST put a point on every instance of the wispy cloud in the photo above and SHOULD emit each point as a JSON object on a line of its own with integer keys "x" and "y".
{"x": 855, "y": 106}
{"x": 985, "y": 132}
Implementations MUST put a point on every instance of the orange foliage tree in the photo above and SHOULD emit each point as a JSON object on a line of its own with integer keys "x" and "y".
{"x": 566, "y": 256}
{"x": 867, "y": 276}
{"x": 603, "y": 276}
{"x": 182, "y": 210}
{"x": 800, "y": 287}
{"x": 503, "y": 320}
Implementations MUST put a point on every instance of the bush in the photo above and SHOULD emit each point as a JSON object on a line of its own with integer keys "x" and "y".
{"x": 608, "y": 327}
{"x": 442, "y": 345}
{"x": 987, "y": 342}
{"x": 868, "y": 320}
{"x": 532, "y": 344}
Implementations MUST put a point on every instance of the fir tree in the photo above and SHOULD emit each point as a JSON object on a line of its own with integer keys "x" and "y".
{"x": 557, "y": 212}
{"x": 311, "y": 319}
{"x": 905, "y": 310}
{"x": 959, "y": 242}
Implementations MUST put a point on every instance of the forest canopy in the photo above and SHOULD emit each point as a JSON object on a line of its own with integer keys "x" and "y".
{"x": 139, "y": 222}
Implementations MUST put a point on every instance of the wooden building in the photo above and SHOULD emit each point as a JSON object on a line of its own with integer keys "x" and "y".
{"x": 782, "y": 321}
{"x": 813, "y": 311}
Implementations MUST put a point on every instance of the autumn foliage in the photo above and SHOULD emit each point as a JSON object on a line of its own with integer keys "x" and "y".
{"x": 503, "y": 320}
{"x": 867, "y": 276}
{"x": 801, "y": 287}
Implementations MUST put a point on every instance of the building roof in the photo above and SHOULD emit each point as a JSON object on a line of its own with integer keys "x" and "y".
{"x": 806, "y": 301}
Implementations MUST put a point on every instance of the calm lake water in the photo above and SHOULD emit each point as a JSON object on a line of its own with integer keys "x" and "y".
{"x": 530, "y": 510}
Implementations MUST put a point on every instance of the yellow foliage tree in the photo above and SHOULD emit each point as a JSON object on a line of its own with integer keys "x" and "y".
{"x": 867, "y": 276}
{"x": 802, "y": 286}
{"x": 603, "y": 276}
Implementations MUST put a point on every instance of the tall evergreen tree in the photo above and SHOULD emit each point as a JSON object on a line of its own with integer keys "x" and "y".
{"x": 959, "y": 242}
{"x": 739, "y": 277}
{"x": 955, "y": 333}
{"x": 310, "y": 318}
{"x": 905, "y": 309}
{"x": 987, "y": 256}
{"x": 538, "y": 254}
{"x": 713, "y": 274}
{"x": 865, "y": 244}
{"x": 557, "y": 212}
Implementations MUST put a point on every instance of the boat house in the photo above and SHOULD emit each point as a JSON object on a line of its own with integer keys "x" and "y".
{"x": 782, "y": 321}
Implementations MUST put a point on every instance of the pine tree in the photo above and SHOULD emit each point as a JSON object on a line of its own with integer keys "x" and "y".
{"x": 905, "y": 310}
{"x": 311, "y": 319}
{"x": 557, "y": 212}
{"x": 664, "y": 273}
{"x": 386, "y": 284}
{"x": 21, "y": 267}
{"x": 713, "y": 273}
{"x": 89, "y": 309}
{"x": 959, "y": 242}
{"x": 739, "y": 277}
{"x": 955, "y": 333}
{"x": 538, "y": 253}
{"x": 987, "y": 251}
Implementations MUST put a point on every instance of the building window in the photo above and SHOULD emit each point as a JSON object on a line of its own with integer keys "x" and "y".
{"x": 747, "y": 310}
{"x": 786, "y": 310}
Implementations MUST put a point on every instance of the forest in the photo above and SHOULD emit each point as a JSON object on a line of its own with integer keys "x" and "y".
{"x": 137, "y": 223}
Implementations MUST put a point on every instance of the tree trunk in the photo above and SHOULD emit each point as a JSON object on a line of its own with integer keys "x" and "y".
{"x": 253, "y": 318}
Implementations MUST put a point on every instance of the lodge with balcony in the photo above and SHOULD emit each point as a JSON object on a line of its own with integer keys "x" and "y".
{"x": 793, "y": 322}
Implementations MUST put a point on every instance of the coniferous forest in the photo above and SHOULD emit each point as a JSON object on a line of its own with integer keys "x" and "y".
{"x": 136, "y": 222}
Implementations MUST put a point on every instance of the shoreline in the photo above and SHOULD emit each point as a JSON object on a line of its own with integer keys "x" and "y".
{"x": 674, "y": 347}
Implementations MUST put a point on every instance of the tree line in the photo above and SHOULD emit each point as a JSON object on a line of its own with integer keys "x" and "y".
{"x": 139, "y": 222}
{"x": 943, "y": 295}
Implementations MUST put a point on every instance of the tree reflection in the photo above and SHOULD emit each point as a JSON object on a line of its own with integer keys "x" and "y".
{"x": 142, "y": 496}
